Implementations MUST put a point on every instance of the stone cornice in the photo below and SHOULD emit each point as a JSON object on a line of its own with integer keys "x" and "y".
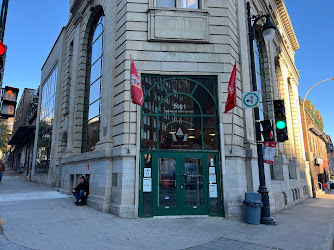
{"x": 287, "y": 23}
{"x": 75, "y": 6}
{"x": 284, "y": 55}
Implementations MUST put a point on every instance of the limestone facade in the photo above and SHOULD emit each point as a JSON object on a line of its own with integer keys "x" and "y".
{"x": 206, "y": 41}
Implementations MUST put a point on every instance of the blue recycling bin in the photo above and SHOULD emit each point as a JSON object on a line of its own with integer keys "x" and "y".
{"x": 253, "y": 204}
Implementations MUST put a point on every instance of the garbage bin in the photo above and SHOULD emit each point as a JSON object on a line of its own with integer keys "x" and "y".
{"x": 253, "y": 206}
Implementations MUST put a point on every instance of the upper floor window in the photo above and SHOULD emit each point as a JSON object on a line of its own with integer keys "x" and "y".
{"x": 186, "y": 4}
{"x": 92, "y": 104}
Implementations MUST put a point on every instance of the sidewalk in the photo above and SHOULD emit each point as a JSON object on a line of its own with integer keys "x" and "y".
{"x": 37, "y": 217}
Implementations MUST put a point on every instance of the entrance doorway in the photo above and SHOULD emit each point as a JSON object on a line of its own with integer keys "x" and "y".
{"x": 181, "y": 184}
{"x": 179, "y": 146}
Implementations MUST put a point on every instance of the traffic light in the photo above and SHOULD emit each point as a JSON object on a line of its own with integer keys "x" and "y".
{"x": 280, "y": 121}
{"x": 8, "y": 101}
{"x": 3, "y": 50}
{"x": 267, "y": 130}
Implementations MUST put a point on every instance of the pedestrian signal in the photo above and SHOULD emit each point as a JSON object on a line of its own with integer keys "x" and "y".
{"x": 267, "y": 130}
{"x": 8, "y": 101}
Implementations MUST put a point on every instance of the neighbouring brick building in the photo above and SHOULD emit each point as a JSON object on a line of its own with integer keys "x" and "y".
{"x": 179, "y": 154}
{"x": 317, "y": 144}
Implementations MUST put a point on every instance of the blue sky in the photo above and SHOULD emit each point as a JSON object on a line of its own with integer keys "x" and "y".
{"x": 33, "y": 26}
{"x": 313, "y": 24}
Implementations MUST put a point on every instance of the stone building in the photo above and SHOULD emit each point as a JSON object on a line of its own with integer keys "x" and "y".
{"x": 179, "y": 154}
{"x": 23, "y": 138}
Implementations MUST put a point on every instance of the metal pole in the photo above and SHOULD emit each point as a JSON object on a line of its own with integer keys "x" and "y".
{"x": 265, "y": 211}
{"x": 3, "y": 18}
{"x": 314, "y": 195}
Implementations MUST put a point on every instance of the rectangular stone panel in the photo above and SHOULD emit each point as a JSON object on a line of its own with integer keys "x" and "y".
{"x": 181, "y": 26}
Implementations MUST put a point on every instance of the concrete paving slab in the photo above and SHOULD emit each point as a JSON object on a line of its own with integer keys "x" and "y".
{"x": 46, "y": 219}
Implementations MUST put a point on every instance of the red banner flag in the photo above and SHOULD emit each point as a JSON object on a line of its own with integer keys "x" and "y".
{"x": 232, "y": 91}
{"x": 137, "y": 95}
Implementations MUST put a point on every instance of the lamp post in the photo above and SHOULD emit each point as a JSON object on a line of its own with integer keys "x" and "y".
{"x": 268, "y": 29}
{"x": 307, "y": 139}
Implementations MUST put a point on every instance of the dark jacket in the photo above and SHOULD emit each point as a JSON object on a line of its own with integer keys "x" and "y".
{"x": 2, "y": 167}
{"x": 82, "y": 186}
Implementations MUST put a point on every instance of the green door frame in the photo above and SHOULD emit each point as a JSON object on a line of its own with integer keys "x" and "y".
{"x": 180, "y": 208}
{"x": 148, "y": 199}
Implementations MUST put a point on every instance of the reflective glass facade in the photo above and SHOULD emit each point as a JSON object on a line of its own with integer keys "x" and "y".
{"x": 45, "y": 123}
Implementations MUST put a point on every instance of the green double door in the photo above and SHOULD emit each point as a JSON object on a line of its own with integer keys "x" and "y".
{"x": 180, "y": 184}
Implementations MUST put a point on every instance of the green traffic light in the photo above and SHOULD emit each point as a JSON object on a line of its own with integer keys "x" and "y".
{"x": 280, "y": 125}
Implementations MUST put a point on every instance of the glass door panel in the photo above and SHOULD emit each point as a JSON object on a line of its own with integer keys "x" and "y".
{"x": 194, "y": 195}
{"x": 193, "y": 182}
{"x": 167, "y": 182}
{"x": 180, "y": 184}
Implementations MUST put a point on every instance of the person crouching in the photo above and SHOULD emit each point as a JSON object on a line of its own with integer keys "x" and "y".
{"x": 81, "y": 191}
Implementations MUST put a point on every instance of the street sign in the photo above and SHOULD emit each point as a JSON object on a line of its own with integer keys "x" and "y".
{"x": 251, "y": 99}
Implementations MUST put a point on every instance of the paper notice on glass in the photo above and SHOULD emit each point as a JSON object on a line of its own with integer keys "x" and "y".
{"x": 269, "y": 152}
{"x": 212, "y": 170}
{"x": 147, "y": 172}
{"x": 213, "y": 191}
{"x": 147, "y": 185}
{"x": 212, "y": 178}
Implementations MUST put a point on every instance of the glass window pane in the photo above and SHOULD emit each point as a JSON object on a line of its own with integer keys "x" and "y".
{"x": 148, "y": 141}
{"x": 98, "y": 29}
{"x": 93, "y": 133}
{"x": 179, "y": 105}
{"x": 191, "y": 4}
{"x": 177, "y": 132}
{"x": 210, "y": 133}
{"x": 155, "y": 94}
{"x": 166, "y": 3}
{"x": 96, "y": 49}
{"x": 95, "y": 71}
{"x": 194, "y": 191}
{"x": 167, "y": 182}
{"x": 94, "y": 92}
{"x": 205, "y": 101}
{"x": 94, "y": 110}
{"x": 46, "y": 123}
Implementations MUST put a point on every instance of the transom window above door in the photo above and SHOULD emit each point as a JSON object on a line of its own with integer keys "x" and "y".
{"x": 179, "y": 113}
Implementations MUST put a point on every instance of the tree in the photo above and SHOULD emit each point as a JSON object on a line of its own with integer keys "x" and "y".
{"x": 5, "y": 135}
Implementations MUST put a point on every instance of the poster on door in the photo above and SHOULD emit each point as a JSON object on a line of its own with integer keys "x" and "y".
{"x": 147, "y": 185}
{"x": 213, "y": 193}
